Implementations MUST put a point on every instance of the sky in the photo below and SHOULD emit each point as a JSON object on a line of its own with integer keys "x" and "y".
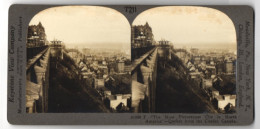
{"x": 189, "y": 25}
{"x": 101, "y": 26}
{"x": 86, "y": 25}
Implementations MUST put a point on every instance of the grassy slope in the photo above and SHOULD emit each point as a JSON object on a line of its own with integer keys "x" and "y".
{"x": 176, "y": 93}
{"x": 67, "y": 93}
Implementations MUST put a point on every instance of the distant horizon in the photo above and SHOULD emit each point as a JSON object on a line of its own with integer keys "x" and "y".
{"x": 189, "y": 24}
{"x": 84, "y": 24}
{"x": 102, "y": 27}
{"x": 206, "y": 45}
{"x": 120, "y": 45}
{"x": 107, "y": 45}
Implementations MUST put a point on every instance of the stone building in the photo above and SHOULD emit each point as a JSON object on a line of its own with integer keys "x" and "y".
{"x": 121, "y": 66}
{"x": 229, "y": 67}
{"x": 36, "y": 40}
{"x": 36, "y": 36}
{"x": 142, "y": 36}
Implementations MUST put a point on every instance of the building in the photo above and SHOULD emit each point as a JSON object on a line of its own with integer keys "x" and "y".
{"x": 86, "y": 74}
{"x": 36, "y": 40}
{"x": 115, "y": 100}
{"x": 142, "y": 40}
{"x": 128, "y": 68}
{"x": 36, "y": 36}
{"x": 164, "y": 47}
{"x": 141, "y": 36}
{"x": 103, "y": 69}
{"x": 220, "y": 67}
{"x": 210, "y": 70}
{"x": 99, "y": 83}
{"x": 196, "y": 60}
{"x": 222, "y": 101}
{"x": 229, "y": 67}
{"x": 56, "y": 48}
{"x": 195, "y": 75}
{"x": 121, "y": 66}
{"x": 164, "y": 42}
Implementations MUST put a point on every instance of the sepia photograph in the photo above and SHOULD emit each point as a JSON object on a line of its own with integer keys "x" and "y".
{"x": 183, "y": 61}
{"x": 171, "y": 59}
{"x": 131, "y": 65}
{"x": 78, "y": 61}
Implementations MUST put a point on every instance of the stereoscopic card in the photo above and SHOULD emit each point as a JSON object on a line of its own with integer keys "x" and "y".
{"x": 136, "y": 65}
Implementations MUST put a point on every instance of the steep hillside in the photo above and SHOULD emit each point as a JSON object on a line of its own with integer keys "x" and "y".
{"x": 176, "y": 93}
{"x": 68, "y": 93}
